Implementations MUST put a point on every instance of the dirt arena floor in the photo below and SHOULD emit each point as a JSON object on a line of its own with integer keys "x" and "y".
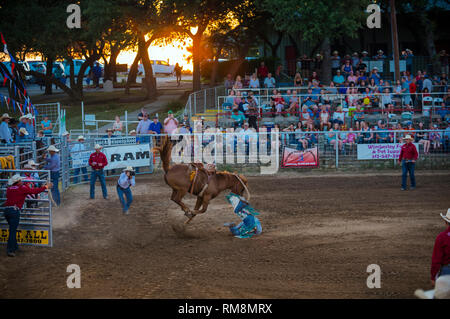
{"x": 319, "y": 235}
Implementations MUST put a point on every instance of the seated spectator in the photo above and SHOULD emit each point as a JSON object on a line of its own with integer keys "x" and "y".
{"x": 366, "y": 136}
{"x": 305, "y": 115}
{"x": 332, "y": 89}
{"x": 387, "y": 102}
{"x": 347, "y": 68}
{"x": 350, "y": 138}
{"x": 443, "y": 111}
{"x": 301, "y": 138}
{"x": 375, "y": 76}
{"x": 352, "y": 78}
{"x": 333, "y": 138}
{"x": 238, "y": 118}
{"x": 358, "y": 116}
{"x": 422, "y": 138}
{"x": 254, "y": 82}
{"x": 298, "y": 81}
{"x": 230, "y": 98}
{"x": 294, "y": 104}
{"x": 324, "y": 118}
{"x": 338, "y": 116}
{"x": 269, "y": 81}
{"x": 380, "y": 55}
{"x": 238, "y": 83}
{"x": 338, "y": 79}
{"x": 238, "y": 98}
{"x": 228, "y": 82}
{"x": 280, "y": 103}
{"x": 315, "y": 76}
{"x": 382, "y": 134}
{"x": 335, "y": 62}
{"x": 435, "y": 136}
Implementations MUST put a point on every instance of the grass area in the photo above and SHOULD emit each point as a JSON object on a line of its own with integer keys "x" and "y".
{"x": 106, "y": 105}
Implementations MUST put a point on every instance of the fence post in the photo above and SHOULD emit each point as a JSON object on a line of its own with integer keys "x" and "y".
{"x": 126, "y": 122}
{"x": 395, "y": 142}
{"x": 204, "y": 101}
{"x": 337, "y": 150}
{"x": 195, "y": 103}
{"x": 82, "y": 115}
{"x": 34, "y": 150}
{"x": 16, "y": 157}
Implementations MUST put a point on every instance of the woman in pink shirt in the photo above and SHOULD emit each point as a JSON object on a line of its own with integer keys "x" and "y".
{"x": 170, "y": 123}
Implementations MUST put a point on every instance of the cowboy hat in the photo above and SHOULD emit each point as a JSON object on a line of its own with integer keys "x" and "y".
{"x": 32, "y": 163}
{"x": 446, "y": 217}
{"x": 81, "y": 137}
{"x": 23, "y": 130}
{"x": 65, "y": 133}
{"x": 335, "y": 52}
{"x": 365, "y": 52}
{"x": 5, "y": 116}
{"x": 380, "y": 51}
{"x": 28, "y": 166}
{"x": 129, "y": 169}
{"x": 132, "y": 132}
{"x": 52, "y": 148}
{"x": 97, "y": 147}
{"x": 408, "y": 137}
{"x": 23, "y": 117}
{"x": 109, "y": 130}
{"x": 30, "y": 116}
{"x": 442, "y": 287}
{"x": 16, "y": 178}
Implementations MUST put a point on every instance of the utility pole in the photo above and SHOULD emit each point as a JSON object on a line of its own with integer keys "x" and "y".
{"x": 394, "y": 40}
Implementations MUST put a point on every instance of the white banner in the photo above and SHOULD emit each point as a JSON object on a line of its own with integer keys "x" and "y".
{"x": 380, "y": 151}
{"x": 130, "y": 155}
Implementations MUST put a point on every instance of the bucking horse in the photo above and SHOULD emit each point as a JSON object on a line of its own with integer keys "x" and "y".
{"x": 195, "y": 179}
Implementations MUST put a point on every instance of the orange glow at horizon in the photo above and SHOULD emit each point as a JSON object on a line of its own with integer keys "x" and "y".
{"x": 173, "y": 52}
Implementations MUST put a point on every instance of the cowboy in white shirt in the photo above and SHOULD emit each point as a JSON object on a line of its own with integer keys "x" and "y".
{"x": 126, "y": 180}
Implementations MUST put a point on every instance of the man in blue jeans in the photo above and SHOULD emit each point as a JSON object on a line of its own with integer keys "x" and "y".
{"x": 126, "y": 180}
{"x": 53, "y": 165}
{"x": 408, "y": 157}
{"x": 16, "y": 194}
{"x": 98, "y": 162}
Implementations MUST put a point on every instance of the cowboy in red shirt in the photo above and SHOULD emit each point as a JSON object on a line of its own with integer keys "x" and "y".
{"x": 98, "y": 162}
{"x": 408, "y": 157}
{"x": 440, "y": 261}
{"x": 15, "y": 198}
{"x": 262, "y": 72}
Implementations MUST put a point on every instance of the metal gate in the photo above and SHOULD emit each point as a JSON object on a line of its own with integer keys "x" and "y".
{"x": 35, "y": 227}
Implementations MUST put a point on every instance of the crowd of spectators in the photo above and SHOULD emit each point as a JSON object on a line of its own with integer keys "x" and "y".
{"x": 357, "y": 99}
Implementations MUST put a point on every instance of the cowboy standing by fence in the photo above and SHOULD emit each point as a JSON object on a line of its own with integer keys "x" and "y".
{"x": 98, "y": 161}
{"x": 408, "y": 157}
{"x": 126, "y": 180}
{"x": 53, "y": 165}
{"x": 440, "y": 261}
{"x": 15, "y": 198}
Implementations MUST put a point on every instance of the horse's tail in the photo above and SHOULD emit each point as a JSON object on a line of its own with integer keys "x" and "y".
{"x": 165, "y": 151}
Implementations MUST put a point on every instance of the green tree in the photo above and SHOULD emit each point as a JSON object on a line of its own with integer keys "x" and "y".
{"x": 326, "y": 20}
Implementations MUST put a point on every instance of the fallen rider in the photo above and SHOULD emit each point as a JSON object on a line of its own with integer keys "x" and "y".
{"x": 250, "y": 225}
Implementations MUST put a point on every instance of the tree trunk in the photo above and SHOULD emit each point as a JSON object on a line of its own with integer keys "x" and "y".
{"x": 132, "y": 75}
{"x": 236, "y": 65}
{"x": 215, "y": 67}
{"x": 326, "y": 63}
{"x": 148, "y": 83}
{"x": 429, "y": 40}
{"x": 110, "y": 67}
{"x": 196, "y": 76}
{"x": 49, "y": 76}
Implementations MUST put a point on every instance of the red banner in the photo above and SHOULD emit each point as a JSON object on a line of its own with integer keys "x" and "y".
{"x": 296, "y": 158}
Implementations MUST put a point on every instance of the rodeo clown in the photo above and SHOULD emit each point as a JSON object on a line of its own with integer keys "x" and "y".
{"x": 250, "y": 225}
